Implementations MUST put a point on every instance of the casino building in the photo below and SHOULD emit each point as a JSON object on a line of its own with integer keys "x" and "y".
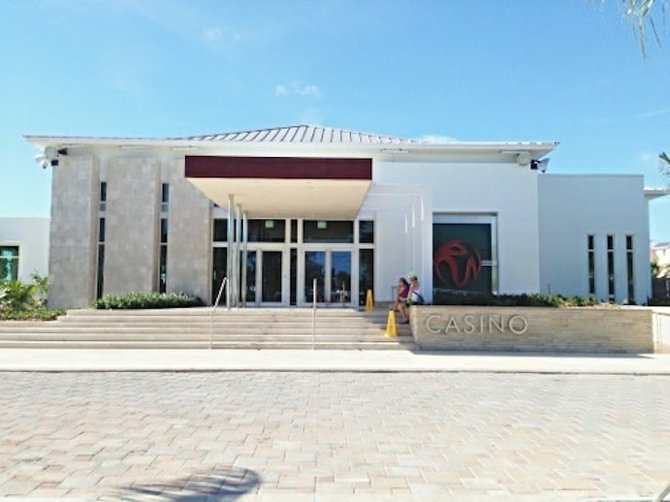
{"x": 276, "y": 209}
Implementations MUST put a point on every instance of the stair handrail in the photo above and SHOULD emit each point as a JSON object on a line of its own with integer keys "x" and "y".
{"x": 211, "y": 317}
{"x": 314, "y": 314}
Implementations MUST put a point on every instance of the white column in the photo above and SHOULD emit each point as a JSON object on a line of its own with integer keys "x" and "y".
{"x": 229, "y": 261}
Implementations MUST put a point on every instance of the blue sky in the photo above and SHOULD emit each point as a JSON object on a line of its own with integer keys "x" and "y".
{"x": 486, "y": 70}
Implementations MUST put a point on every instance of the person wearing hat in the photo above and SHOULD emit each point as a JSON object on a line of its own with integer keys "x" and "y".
{"x": 415, "y": 294}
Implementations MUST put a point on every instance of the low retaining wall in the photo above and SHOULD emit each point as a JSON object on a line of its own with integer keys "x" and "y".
{"x": 534, "y": 329}
{"x": 662, "y": 329}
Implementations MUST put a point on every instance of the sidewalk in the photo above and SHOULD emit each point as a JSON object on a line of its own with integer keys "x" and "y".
{"x": 72, "y": 360}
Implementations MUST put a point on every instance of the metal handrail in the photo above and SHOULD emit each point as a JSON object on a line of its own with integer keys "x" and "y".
{"x": 216, "y": 304}
{"x": 314, "y": 314}
{"x": 663, "y": 494}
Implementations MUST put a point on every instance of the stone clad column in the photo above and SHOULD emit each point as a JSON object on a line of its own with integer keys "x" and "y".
{"x": 133, "y": 208}
{"x": 189, "y": 236}
{"x": 73, "y": 235}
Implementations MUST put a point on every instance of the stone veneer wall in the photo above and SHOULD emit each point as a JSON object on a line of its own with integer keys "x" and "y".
{"x": 133, "y": 205}
{"x": 73, "y": 233}
{"x": 598, "y": 330}
{"x": 189, "y": 236}
{"x": 662, "y": 329}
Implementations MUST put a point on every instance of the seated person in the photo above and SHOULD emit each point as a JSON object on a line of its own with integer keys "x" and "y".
{"x": 400, "y": 304}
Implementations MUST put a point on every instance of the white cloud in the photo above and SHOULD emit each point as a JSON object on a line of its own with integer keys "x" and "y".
{"x": 213, "y": 34}
{"x": 647, "y": 157}
{"x": 298, "y": 89}
{"x": 310, "y": 90}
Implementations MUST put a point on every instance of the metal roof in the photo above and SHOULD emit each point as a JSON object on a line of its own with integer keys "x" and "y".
{"x": 300, "y": 134}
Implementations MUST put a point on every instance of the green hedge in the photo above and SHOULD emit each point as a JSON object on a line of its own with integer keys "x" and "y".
{"x": 524, "y": 300}
{"x": 146, "y": 301}
{"x": 37, "y": 314}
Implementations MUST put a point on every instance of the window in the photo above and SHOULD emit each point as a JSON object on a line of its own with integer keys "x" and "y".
{"x": 165, "y": 197}
{"x": 630, "y": 269}
{"x": 220, "y": 230}
{"x": 328, "y": 231}
{"x": 366, "y": 260}
{"x": 9, "y": 263}
{"x": 464, "y": 254}
{"x": 162, "y": 259}
{"x": 266, "y": 230}
{"x": 103, "y": 196}
{"x": 100, "y": 276}
{"x": 611, "y": 290}
{"x": 100, "y": 262}
{"x": 294, "y": 231}
{"x": 592, "y": 265}
{"x": 366, "y": 232}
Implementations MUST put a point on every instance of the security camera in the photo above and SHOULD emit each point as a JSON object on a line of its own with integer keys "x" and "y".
{"x": 539, "y": 165}
{"x": 42, "y": 161}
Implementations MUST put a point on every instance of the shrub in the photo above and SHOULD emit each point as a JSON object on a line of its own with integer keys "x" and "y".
{"x": 14, "y": 295}
{"x": 41, "y": 283}
{"x": 659, "y": 302}
{"x": 38, "y": 314}
{"x": 523, "y": 300}
{"x": 136, "y": 300}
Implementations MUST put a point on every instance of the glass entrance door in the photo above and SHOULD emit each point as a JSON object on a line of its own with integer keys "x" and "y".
{"x": 265, "y": 273}
{"x": 315, "y": 268}
{"x": 332, "y": 271}
{"x": 271, "y": 277}
{"x": 340, "y": 277}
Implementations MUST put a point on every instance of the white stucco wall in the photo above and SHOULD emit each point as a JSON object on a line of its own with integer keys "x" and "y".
{"x": 508, "y": 191}
{"x": 31, "y": 235}
{"x": 402, "y": 227}
{"x": 574, "y": 206}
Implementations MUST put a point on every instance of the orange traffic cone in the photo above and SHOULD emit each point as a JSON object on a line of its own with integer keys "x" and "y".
{"x": 390, "y": 325}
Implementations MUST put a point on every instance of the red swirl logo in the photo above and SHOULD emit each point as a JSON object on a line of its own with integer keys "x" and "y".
{"x": 461, "y": 261}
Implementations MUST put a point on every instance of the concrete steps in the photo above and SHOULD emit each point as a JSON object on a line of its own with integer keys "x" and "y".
{"x": 289, "y": 328}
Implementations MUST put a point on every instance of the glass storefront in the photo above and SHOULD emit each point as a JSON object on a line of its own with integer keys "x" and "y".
{"x": 285, "y": 256}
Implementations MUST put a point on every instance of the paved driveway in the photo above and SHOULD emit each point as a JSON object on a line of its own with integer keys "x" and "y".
{"x": 332, "y": 436}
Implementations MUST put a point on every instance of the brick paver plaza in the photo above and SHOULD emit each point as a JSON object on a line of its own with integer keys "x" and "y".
{"x": 332, "y": 436}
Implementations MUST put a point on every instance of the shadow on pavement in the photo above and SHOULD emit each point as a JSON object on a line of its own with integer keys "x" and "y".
{"x": 222, "y": 484}
{"x": 533, "y": 354}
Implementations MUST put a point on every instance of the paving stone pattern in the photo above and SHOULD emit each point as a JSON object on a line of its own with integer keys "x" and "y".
{"x": 333, "y": 436}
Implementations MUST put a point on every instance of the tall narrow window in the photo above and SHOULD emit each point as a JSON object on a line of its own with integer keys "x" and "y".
{"x": 592, "y": 266}
{"x": 100, "y": 262}
{"x": 611, "y": 292}
{"x": 101, "y": 258}
{"x": 103, "y": 197}
{"x": 162, "y": 261}
{"x": 162, "y": 250}
{"x": 165, "y": 197}
{"x": 630, "y": 269}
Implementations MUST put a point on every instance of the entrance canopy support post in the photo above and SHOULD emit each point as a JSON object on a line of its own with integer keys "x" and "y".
{"x": 245, "y": 238}
{"x": 238, "y": 239}
{"x": 229, "y": 261}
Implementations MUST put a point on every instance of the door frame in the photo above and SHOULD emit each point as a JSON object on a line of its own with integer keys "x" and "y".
{"x": 328, "y": 249}
{"x": 260, "y": 248}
